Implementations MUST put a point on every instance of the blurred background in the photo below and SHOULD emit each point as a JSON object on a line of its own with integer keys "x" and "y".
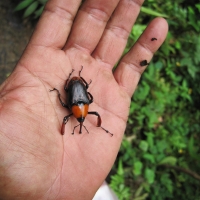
{"x": 14, "y": 35}
{"x": 160, "y": 154}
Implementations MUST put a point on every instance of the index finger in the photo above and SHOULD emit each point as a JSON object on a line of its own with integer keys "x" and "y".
{"x": 55, "y": 23}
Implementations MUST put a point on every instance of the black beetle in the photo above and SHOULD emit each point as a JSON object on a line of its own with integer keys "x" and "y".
{"x": 78, "y": 100}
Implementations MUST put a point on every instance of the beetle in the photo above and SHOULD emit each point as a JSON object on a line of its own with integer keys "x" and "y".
{"x": 78, "y": 101}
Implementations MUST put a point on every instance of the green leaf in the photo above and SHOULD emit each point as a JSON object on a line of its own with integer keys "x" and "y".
{"x": 178, "y": 44}
{"x": 39, "y": 12}
{"x": 23, "y": 5}
{"x": 42, "y": 1}
{"x": 31, "y": 9}
{"x": 161, "y": 145}
{"x": 167, "y": 182}
{"x": 137, "y": 30}
{"x": 150, "y": 157}
{"x": 150, "y": 139}
{"x": 191, "y": 146}
{"x": 193, "y": 149}
{"x": 137, "y": 168}
{"x": 142, "y": 92}
{"x": 192, "y": 71}
{"x": 198, "y": 6}
{"x": 149, "y": 175}
{"x": 158, "y": 65}
{"x": 168, "y": 160}
{"x": 152, "y": 12}
{"x": 143, "y": 145}
{"x": 120, "y": 169}
{"x": 142, "y": 197}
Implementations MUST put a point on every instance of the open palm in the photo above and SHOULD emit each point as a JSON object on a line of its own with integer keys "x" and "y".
{"x": 37, "y": 162}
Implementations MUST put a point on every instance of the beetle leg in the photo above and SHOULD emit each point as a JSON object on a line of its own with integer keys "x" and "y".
{"x": 63, "y": 104}
{"x": 65, "y": 87}
{"x": 99, "y": 121}
{"x": 65, "y": 120}
{"x": 89, "y": 82}
{"x": 80, "y": 70}
{"x": 91, "y": 98}
{"x": 86, "y": 84}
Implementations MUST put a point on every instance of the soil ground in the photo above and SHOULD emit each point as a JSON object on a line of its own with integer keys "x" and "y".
{"x": 14, "y": 35}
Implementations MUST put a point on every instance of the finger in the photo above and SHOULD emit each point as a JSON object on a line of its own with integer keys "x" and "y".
{"x": 115, "y": 36}
{"x": 129, "y": 69}
{"x": 55, "y": 23}
{"x": 90, "y": 23}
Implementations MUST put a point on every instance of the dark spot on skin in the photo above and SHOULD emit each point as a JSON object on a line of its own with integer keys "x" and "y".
{"x": 144, "y": 63}
{"x": 152, "y": 39}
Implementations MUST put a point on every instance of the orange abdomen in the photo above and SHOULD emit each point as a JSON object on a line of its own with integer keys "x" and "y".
{"x": 80, "y": 111}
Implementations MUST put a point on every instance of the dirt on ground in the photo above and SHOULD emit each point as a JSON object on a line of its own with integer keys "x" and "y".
{"x": 14, "y": 36}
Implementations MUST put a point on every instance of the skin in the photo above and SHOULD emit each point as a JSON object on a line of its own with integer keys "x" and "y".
{"x": 37, "y": 162}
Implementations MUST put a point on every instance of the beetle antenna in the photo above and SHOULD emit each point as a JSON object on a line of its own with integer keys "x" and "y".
{"x": 86, "y": 129}
{"x": 74, "y": 128}
{"x": 107, "y": 131}
{"x": 81, "y": 124}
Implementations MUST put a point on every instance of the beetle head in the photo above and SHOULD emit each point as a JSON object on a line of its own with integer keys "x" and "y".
{"x": 81, "y": 120}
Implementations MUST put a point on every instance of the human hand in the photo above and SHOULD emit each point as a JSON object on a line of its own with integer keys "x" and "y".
{"x": 37, "y": 162}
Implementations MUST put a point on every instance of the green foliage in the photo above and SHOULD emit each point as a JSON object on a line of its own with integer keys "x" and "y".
{"x": 31, "y": 7}
{"x": 163, "y": 129}
{"x": 118, "y": 181}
